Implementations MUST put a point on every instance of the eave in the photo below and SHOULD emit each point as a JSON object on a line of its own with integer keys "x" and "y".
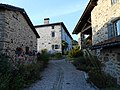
{"x": 85, "y": 17}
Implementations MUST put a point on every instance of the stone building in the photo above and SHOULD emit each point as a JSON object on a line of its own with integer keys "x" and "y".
{"x": 18, "y": 36}
{"x": 103, "y": 17}
{"x": 52, "y": 36}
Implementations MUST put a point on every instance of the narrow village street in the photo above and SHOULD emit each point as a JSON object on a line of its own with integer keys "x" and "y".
{"x": 61, "y": 75}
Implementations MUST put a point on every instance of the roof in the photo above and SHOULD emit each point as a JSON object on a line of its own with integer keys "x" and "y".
{"x": 59, "y": 23}
{"x": 22, "y": 11}
{"x": 85, "y": 16}
{"x": 115, "y": 41}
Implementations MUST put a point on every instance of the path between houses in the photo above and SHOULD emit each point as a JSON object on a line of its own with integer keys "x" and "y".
{"x": 61, "y": 75}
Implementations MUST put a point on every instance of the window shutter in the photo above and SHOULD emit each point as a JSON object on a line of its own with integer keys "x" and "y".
{"x": 110, "y": 30}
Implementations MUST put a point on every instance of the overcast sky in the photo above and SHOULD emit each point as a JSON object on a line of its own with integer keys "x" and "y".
{"x": 66, "y": 11}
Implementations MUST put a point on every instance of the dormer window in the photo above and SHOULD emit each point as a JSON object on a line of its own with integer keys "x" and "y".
{"x": 114, "y": 1}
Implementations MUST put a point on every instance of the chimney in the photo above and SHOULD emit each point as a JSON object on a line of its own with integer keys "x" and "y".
{"x": 46, "y": 21}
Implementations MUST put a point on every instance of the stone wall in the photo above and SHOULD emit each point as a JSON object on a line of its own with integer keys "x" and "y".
{"x": 46, "y": 40}
{"x": 102, "y": 15}
{"x": 17, "y": 34}
{"x": 2, "y": 27}
{"x": 111, "y": 59}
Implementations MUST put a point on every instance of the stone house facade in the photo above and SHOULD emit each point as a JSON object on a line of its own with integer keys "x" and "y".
{"x": 105, "y": 26}
{"x": 106, "y": 35}
{"x": 17, "y": 33}
{"x": 52, "y": 36}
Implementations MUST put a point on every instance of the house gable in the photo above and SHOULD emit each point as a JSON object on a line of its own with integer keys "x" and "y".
{"x": 22, "y": 11}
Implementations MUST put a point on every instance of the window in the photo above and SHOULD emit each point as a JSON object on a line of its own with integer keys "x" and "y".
{"x": 52, "y": 27}
{"x": 114, "y": 29}
{"x": 56, "y": 46}
{"x": 110, "y": 31}
{"x": 52, "y": 47}
{"x": 117, "y": 27}
{"x": 53, "y": 34}
{"x": 114, "y": 1}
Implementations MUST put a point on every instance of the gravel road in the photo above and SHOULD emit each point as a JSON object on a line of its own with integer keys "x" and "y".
{"x": 61, "y": 75}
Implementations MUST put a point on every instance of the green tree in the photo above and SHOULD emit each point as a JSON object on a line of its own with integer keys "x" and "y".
{"x": 74, "y": 43}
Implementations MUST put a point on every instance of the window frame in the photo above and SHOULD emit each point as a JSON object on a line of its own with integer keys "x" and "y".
{"x": 113, "y": 29}
{"x": 116, "y": 28}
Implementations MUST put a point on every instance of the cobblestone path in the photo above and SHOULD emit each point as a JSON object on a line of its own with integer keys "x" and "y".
{"x": 61, "y": 75}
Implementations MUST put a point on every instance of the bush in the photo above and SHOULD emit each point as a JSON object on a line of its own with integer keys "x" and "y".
{"x": 5, "y": 81}
{"x": 65, "y": 52}
{"x": 43, "y": 57}
{"x": 82, "y": 64}
{"x": 75, "y": 52}
{"x": 56, "y": 56}
{"x": 5, "y": 72}
{"x": 92, "y": 66}
{"x": 25, "y": 75}
{"x": 17, "y": 81}
{"x": 16, "y": 78}
{"x": 100, "y": 79}
{"x": 5, "y": 65}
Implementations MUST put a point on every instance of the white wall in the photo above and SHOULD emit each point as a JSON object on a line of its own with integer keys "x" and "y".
{"x": 46, "y": 40}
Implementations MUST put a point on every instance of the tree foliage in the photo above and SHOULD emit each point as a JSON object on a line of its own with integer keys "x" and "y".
{"x": 64, "y": 45}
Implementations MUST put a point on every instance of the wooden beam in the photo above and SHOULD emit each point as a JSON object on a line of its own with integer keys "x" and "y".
{"x": 85, "y": 29}
{"x": 89, "y": 20}
{"x": 93, "y": 3}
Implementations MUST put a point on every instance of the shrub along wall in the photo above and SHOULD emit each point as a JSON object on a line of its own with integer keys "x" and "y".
{"x": 18, "y": 76}
{"x": 91, "y": 65}
{"x": 56, "y": 56}
{"x": 75, "y": 52}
